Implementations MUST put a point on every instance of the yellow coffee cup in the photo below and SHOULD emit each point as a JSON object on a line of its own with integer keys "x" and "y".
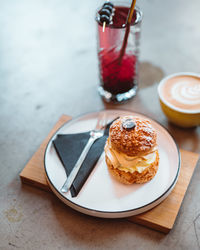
{"x": 179, "y": 96}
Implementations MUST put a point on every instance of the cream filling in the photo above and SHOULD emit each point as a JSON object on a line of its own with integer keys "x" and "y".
{"x": 130, "y": 163}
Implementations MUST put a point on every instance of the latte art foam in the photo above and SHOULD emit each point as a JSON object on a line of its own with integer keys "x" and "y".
{"x": 183, "y": 92}
{"x": 186, "y": 92}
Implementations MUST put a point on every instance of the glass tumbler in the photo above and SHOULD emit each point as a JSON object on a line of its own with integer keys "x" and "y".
{"x": 118, "y": 56}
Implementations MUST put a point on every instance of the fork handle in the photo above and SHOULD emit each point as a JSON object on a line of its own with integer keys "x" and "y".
{"x": 65, "y": 188}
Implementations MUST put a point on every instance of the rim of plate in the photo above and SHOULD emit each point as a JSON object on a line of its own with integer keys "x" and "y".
{"x": 93, "y": 211}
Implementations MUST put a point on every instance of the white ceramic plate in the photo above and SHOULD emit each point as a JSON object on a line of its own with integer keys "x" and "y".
{"x": 102, "y": 195}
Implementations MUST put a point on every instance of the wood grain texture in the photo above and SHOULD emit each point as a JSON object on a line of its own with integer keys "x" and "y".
{"x": 160, "y": 218}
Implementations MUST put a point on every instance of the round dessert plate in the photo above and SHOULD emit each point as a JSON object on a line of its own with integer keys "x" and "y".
{"x": 102, "y": 195}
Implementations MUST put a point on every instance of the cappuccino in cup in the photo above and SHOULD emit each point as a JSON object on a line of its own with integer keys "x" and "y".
{"x": 182, "y": 92}
{"x": 179, "y": 96}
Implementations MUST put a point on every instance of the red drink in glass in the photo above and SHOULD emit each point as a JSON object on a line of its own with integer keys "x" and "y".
{"x": 119, "y": 75}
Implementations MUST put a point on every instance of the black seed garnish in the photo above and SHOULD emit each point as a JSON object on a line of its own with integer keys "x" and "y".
{"x": 109, "y": 3}
{"x": 128, "y": 124}
{"x": 108, "y": 7}
{"x": 105, "y": 12}
{"x": 104, "y": 18}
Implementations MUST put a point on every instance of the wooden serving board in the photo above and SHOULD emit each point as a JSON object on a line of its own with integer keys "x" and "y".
{"x": 161, "y": 217}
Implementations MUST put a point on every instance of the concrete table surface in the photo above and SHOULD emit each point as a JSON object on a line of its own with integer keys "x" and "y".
{"x": 48, "y": 66}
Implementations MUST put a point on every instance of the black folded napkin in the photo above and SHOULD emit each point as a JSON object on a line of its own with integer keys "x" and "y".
{"x": 70, "y": 146}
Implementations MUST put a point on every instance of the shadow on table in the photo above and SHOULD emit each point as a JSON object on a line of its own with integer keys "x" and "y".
{"x": 92, "y": 232}
{"x": 87, "y": 231}
{"x": 149, "y": 74}
{"x": 186, "y": 138}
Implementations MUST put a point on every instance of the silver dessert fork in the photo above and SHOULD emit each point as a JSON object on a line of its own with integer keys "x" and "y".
{"x": 94, "y": 135}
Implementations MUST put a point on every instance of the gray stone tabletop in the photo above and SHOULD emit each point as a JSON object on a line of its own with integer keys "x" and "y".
{"x": 48, "y": 67}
